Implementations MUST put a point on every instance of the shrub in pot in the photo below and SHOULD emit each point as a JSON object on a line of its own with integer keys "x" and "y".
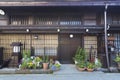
{"x": 90, "y": 67}
{"x": 45, "y": 62}
{"x": 81, "y": 66}
{"x": 80, "y": 55}
{"x": 98, "y": 64}
{"x": 117, "y": 59}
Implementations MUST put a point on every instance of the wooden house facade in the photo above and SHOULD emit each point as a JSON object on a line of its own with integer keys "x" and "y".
{"x": 58, "y": 27}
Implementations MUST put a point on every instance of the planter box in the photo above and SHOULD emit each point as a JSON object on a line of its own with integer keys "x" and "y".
{"x": 34, "y": 71}
{"x": 25, "y": 71}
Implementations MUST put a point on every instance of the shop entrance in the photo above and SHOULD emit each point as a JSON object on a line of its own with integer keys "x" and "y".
{"x": 68, "y": 46}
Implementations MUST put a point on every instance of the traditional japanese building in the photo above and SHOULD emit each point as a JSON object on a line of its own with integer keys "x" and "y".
{"x": 58, "y": 27}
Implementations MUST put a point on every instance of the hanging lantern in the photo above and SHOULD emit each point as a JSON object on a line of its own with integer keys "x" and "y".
{"x": 16, "y": 47}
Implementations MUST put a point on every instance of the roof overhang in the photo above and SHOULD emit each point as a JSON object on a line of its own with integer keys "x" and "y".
{"x": 51, "y": 29}
{"x": 70, "y": 3}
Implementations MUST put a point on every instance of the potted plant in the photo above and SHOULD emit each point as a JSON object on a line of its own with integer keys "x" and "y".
{"x": 45, "y": 62}
{"x": 81, "y": 66}
{"x": 98, "y": 64}
{"x": 117, "y": 59}
{"x": 90, "y": 67}
{"x": 38, "y": 62}
{"x": 25, "y": 58}
{"x": 80, "y": 55}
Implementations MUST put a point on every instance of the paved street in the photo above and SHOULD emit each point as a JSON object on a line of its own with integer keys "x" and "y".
{"x": 68, "y": 72}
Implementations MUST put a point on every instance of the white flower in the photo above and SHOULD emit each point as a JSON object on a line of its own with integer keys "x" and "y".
{"x": 23, "y": 59}
{"x": 57, "y": 62}
{"x": 32, "y": 57}
{"x": 19, "y": 66}
{"x": 96, "y": 61}
{"x": 38, "y": 64}
{"x": 33, "y": 62}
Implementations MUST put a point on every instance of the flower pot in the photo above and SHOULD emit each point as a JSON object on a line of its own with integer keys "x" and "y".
{"x": 45, "y": 66}
{"x": 90, "y": 70}
{"x": 80, "y": 69}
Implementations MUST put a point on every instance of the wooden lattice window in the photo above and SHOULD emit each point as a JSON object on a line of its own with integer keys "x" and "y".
{"x": 90, "y": 19}
{"x": 90, "y": 45}
{"x": 45, "y": 20}
{"x": 46, "y": 44}
{"x": 115, "y": 19}
{"x": 70, "y": 20}
{"x": 116, "y": 41}
{"x": 21, "y": 20}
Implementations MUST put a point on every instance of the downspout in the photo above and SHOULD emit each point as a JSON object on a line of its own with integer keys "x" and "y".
{"x": 106, "y": 41}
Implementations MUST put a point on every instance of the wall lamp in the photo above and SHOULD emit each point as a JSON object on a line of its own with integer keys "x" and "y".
{"x": 27, "y": 30}
{"x": 35, "y": 36}
{"x": 71, "y": 35}
{"x": 58, "y": 30}
{"x": 87, "y": 30}
{"x": 2, "y": 12}
{"x": 108, "y": 34}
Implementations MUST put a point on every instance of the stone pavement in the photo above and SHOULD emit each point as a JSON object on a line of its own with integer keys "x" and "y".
{"x": 67, "y": 72}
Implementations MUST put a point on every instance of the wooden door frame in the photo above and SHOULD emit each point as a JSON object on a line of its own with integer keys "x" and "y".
{"x": 78, "y": 36}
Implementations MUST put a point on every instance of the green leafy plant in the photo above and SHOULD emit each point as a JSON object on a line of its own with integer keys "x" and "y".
{"x": 98, "y": 63}
{"x": 45, "y": 59}
{"x": 90, "y": 65}
{"x": 81, "y": 64}
{"x": 38, "y": 59}
{"x": 51, "y": 63}
{"x": 117, "y": 59}
{"x": 23, "y": 65}
{"x": 26, "y": 54}
{"x": 29, "y": 62}
{"x": 80, "y": 55}
{"x": 57, "y": 66}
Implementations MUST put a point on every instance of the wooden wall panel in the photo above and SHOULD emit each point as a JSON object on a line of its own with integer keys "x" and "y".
{"x": 44, "y": 41}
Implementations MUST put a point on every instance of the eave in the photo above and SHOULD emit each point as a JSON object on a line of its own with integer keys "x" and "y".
{"x": 71, "y": 3}
{"x": 50, "y": 29}
{"x": 114, "y": 28}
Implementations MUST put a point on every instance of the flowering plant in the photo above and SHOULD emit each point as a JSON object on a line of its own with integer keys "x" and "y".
{"x": 30, "y": 62}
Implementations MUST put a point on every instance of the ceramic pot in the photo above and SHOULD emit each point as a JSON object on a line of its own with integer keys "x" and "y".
{"x": 45, "y": 66}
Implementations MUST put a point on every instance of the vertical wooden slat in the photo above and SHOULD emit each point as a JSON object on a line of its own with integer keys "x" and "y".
{"x": 45, "y": 20}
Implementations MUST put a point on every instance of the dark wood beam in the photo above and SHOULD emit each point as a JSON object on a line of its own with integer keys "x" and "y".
{"x": 33, "y": 27}
{"x": 63, "y": 29}
{"x": 61, "y": 3}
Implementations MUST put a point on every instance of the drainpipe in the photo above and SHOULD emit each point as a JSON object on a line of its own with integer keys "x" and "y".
{"x": 106, "y": 41}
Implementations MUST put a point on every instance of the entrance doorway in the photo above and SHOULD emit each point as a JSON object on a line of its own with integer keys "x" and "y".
{"x": 68, "y": 47}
